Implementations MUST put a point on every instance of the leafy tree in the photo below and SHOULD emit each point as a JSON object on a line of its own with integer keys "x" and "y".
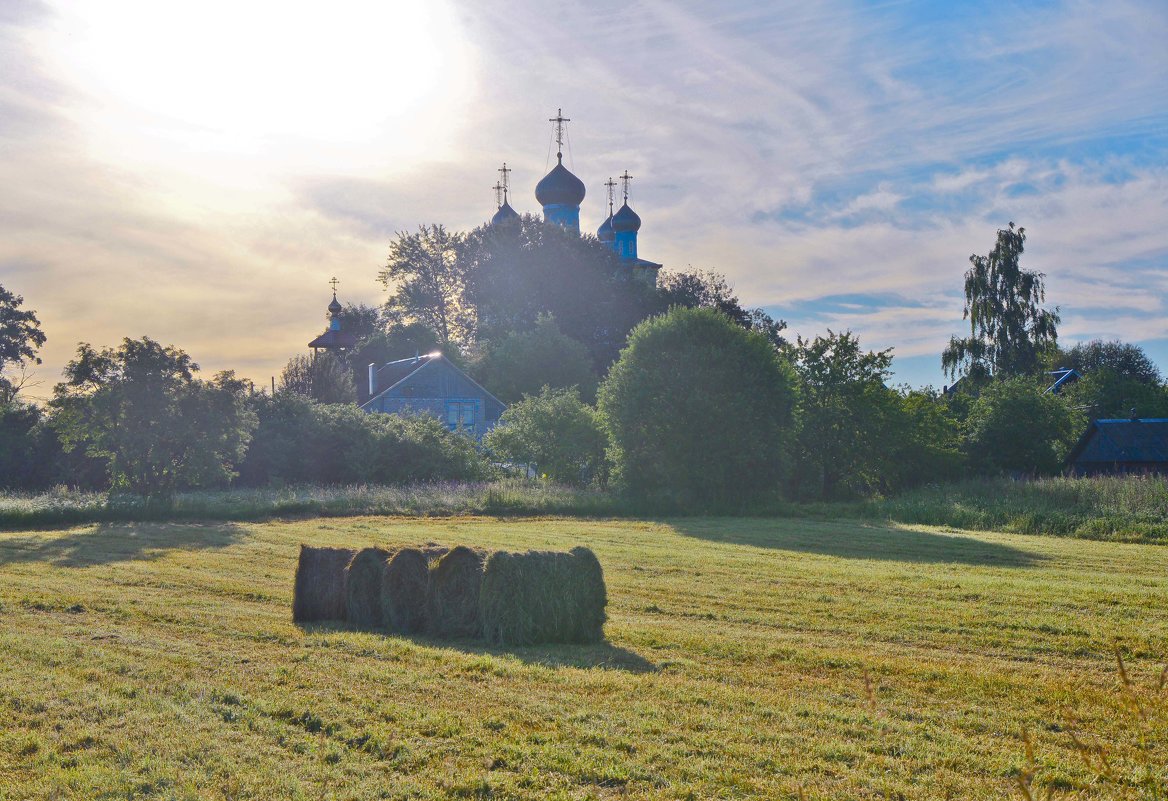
{"x": 556, "y": 431}
{"x": 361, "y": 321}
{"x": 711, "y": 290}
{"x": 927, "y": 448}
{"x": 1124, "y": 360}
{"x": 700, "y": 410}
{"x": 1106, "y": 393}
{"x": 428, "y": 280}
{"x": 323, "y": 377}
{"x": 140, "y": 408}
{"x": 850, "y": 419}
{"x": 517, "y": 273}
{"x": 1013, "y": 426}
{"x": 1009, "y": 330}
{"x": 523, "y": 362}
{"x": 20, "y": 339}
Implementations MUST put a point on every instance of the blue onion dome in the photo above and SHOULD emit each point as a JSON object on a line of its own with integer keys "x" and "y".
{"x": 334, "y": 307}
{"x": 625, "y": 219}
{"x": 605, "y": 233}
{"x": 559, "y": 188}
{"x": 504, "y": 214}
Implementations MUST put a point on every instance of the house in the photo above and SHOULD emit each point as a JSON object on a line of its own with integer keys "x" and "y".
{"x": 431, "y": 384}
{"x": 1121, "y": 446}
{"x": 1063, "y": 377}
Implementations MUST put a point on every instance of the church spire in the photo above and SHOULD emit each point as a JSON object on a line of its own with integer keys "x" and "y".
{"x": 560, "y": 192}
{"x": 502, "y": 189}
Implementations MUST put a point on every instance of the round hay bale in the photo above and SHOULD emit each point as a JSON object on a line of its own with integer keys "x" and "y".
{"x": 363, "y": 588}
{"x": 453, "y": 593}
{"x": 403, "y": 591}
{"x": 319, "y": 591}
{"x": 543, "y": 597}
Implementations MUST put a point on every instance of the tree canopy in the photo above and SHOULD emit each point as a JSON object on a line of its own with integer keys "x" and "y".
{"x": 523, "y": 362}
{"x": 1010, "y": 332}
{"x": 323, "y": 377}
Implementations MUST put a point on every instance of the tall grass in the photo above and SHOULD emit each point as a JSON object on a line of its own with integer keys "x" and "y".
{"x": 1127, "y": 509}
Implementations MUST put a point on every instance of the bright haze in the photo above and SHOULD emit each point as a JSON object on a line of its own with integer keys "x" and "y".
{"x": 197, "y": 172}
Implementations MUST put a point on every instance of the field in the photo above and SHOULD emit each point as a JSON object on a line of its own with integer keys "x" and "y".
{"x": 747, "y": 658}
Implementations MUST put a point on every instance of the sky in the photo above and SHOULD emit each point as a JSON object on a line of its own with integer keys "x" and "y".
{"x": 198, "y": 172}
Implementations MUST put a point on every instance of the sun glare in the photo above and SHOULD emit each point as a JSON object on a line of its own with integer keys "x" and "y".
{"x": 241, "y": 73}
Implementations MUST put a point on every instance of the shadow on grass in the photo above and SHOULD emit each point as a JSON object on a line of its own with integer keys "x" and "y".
{"x": 117, "y": 542}
{"x": 857, "y": 540}
{"x": 601, "y": 655}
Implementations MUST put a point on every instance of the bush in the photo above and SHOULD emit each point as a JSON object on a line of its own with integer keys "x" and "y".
{"x": 298, "y": 441}
{"x": 556, "y": 431}
{"x": 543, "y": 597}
{"x": 699, "y": 410}
{"x": 522, "y": 362}
{"x": 1014, "y": 427}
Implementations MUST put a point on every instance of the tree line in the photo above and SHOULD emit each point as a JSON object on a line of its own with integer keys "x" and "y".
{"x": 670, "y": 391}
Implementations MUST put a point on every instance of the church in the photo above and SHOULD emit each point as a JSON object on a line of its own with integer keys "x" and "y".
{"x": 560, "y": 193}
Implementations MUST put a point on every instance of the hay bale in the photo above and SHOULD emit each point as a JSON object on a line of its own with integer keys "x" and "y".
{"x": 363, "y": 582}
{"x": 452, "y": 603}
{"x": 403, "y": 591}
{"x": 319, "y": 591}
{"x": 543, "y": 597}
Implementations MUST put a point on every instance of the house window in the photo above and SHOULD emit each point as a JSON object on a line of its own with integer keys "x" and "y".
{"x": 460, "y": 415}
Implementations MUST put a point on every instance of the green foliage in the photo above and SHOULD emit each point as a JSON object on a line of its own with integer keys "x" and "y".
{"x": 851, "y": 422}
{"x": 427, "y": 275}
{"x": 1124, "y": 360}
{"x": 710, "y": 290}
{"x": 1010, "y": 332}
{"x": 20, "y": 458}
{"x": 928, "y": 448}
{"x": 556, "y": 431}
{"x": 323, "y": 377}
{"x": 298, "y": 441}
{"x": 20, "y": 331}
{"x": 159, "y": 429}
{"x": 521, "y": 363}
{"x": 700, "y": 410}
{"x": 1014, "y": 427}
{"x": 1105, "y": 393}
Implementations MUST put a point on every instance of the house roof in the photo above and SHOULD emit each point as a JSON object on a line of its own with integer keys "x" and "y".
{"x": 334, "y": 339}
{"x": 394, "y": 373}
{"x": 1063, "y": 376}
{"x": 1138, "y": 440}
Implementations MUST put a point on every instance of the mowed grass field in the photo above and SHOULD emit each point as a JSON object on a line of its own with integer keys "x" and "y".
{"x": 746, "y": 659}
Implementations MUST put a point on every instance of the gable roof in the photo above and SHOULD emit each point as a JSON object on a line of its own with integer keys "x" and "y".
{"x": 392, "y": 374}
{"x": 334, "y": 339}
{"x": 1138, "y": 440}
{"x": 1063, "y": 376}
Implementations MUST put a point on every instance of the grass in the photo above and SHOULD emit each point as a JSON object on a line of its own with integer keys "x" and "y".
{"x": 1131, "y": 509}
{"x": 747, "y": 658}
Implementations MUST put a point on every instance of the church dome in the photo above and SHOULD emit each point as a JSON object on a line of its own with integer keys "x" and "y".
{"x": 625, "y": 219}
{"x": 605, "y": 233}
{"x": 559, "y": 188}
{"x": 504, "y": 214}
{"x": 334, "y": 307}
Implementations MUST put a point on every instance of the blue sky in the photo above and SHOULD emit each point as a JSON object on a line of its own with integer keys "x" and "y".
{"x": 198, "y": 173}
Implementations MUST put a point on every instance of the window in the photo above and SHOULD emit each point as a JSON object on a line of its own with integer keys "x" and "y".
{"x": 460, "y": 415}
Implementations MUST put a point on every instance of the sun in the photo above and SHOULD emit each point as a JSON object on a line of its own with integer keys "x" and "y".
{"x": 243, "y": 72}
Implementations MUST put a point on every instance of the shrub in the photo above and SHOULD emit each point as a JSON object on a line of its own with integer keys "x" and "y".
{"x": 1014, "y": 427}
{"x": 453, "y": 595}
{"x": 543, "y": 597}
{"x": 556, "y": 431}
{"x": 319, "y": 592}
{"x": 699, "y": 410}
{"x": 522, "y": 362}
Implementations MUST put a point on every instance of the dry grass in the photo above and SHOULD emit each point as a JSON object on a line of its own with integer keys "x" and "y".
{"x": 746, "y": 659}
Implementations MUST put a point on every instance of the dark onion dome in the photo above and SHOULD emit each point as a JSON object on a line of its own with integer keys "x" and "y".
{"x": 504, "y": 214}
{"x": 625, "y": 219}
{"x": 605, "y": 233}
{"x": 559, "y": 188}
{"x": 334, "y": 307}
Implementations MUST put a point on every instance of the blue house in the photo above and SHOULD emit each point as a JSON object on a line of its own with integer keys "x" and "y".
{"x": 430, "y": 384}
{"x": 1121, "y": 446}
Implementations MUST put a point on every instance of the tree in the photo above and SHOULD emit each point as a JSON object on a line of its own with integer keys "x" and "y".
{"x": 1124, "y": 360}
{"x": 557, "y": 432}
{"x": 850, "y": 419}
{"x": 700, "y": 410}
{"x": 20, "y": 339}
{"x": 1009, "y": 330}
{"x": 323, "y": 377}
{"x": 711, "y": 290}
{"x": 1013, "y": 426}
{"x": 427, "y": 277}
{"x": 523, "y": 362}
{"x": 140, "y": 409}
